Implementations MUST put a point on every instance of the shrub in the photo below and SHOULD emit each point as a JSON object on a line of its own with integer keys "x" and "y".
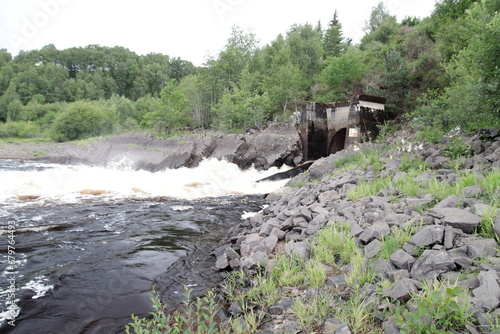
{"x": 439, "y": 308}
{"x": 195, "y": 316}
{"x": 19, "y": 130}
{"x": 82, "y": 120}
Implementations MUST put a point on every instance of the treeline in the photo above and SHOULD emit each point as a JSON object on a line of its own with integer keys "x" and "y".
{"x": 440, "y": 72}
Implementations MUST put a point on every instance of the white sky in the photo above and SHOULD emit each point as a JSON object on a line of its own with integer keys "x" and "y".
{"x": 189, "y": 29}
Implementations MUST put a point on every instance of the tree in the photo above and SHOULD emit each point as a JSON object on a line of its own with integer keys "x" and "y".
{"x": 394, "y": 82}
{"x": 342, "y": 77}
{"x": 378, "y": 15}
{"x": 199, "y": 99}
{"x": 173, "y": 110}
{"x": 306, "y": 49}
{"x": 286, "y": 83}
{"x": 333, "y": 38}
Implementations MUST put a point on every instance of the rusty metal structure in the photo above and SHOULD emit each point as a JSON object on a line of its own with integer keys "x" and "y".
{"x": 326, "y": 128}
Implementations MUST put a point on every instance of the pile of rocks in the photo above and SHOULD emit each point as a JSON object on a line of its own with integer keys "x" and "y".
{"x": 444, "y": 245}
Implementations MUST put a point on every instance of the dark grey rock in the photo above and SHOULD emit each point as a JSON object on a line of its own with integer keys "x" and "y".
{"x": 449, "y": 202}
{"x": 463, "y": 262}
{"x": 410, "y": 248}
{"x": 402, "y": 290}
{"x": 375, "y": 231}
{"x": 449, "y": 237}
{"x": 372, "y": 249}
{"x": 290, "y": 327}
{"x": 313, "y": 228}
{"x": 481, "y": 209}
{"x": 336, "y": 280}
{"x": 470, "y": 283}
{"x": 496, "y": 226}
{"x": 281, "y": 306}
{"x": 328, "y": 196}
{"x": 222, "y": 262}
{"x": 481, "y": 248}
{"x": 324, "y": 166}
{"x": 306, "y": 213}
{"x": 235, "y": 309}
{"x": 428, "y": 236}
{"x": 431, "y": 264}
{"x": 457, "y": 218}
{"x": 343, "y": 329}
{"x": 300, "y": 249}
{"x": 382, "y": 266}
{"x": 287, "y": 224}
{"x": 331, "y": 325}
{"x": 356, "y": 230}
{"x": 269, "y": 244}
{"x": 396, "y": 275}
{"x": 390, "y": 326}
{"x": 487, "y": 295}
{"x": 473, "y": 191}
{"x": 268, "y": 226}
{"x": 402, "y": 260}
{"x": 278, "y": 233}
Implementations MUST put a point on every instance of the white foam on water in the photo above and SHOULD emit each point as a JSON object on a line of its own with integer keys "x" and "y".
{"x": 39, "y": 285}
{"x": 70, "y": 184}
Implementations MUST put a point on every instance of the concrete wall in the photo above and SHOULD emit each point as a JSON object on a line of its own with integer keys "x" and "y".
{"x": 328, "y": 128}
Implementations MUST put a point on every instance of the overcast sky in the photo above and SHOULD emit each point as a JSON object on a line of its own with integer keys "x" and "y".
{"x": 190, "y": 29}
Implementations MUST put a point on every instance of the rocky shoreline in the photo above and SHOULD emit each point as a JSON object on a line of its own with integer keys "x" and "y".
{"x": 274, "y": 146}
{"x": 444, "y": 243}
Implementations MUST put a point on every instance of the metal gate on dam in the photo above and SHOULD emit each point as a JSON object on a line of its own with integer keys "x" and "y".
{"x": 326, "y": 128}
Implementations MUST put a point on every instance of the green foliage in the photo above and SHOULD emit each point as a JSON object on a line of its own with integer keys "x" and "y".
{"x": 172, "y": 111}
{"x": 333, "y": 38}
{"x": 396, "y": 240}
{"x": 195, "y": 316}
{"x": 20, "y": 130}
{"x": 435, "y": 73}
{"x": 342, "y": 76}
{"x": 456, "y": 148}
{"x": 82, "y": 120}
{"x": 439, "y": 308}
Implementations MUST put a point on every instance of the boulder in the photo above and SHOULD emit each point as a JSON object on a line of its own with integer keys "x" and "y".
{"x": 331, "y": 325}
{"x": 496, "y": 226}
{"x": 375, "y": 231}
{"x": 458, "y": 218}
{"x": 487, "y": 295}
{"x": 482, "y": 248}
{"x": 449, "y": 202}
{"x": 431, "y": 264}
{"x": 402, "y": 290}
{"x": 281, "y": 307}
{"x": 300, "y": 249}
{"x": 428, "y": 236}
{"x": 372, "y": 249}
{"x": 402, "y": 260}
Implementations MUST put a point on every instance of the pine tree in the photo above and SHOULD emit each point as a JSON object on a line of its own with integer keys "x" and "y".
{"x": 333, "y": 38}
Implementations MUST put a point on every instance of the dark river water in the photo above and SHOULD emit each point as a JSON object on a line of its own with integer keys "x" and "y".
{"x": 87, "y": 244}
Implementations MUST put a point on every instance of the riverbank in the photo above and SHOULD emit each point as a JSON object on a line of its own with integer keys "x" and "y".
{"x": 396, "y": 237}
{"x": 273, "y": 146}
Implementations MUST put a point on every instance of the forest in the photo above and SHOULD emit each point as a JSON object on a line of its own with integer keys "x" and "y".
{"x": 438, "y": 73}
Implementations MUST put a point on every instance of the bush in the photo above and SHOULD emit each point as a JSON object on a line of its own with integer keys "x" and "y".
{"x": 19, "y": 130}
{"x": 83, "y": 120}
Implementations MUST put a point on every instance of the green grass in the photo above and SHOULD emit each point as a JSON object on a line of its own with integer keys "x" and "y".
{"x": 195, "y": 316}
{"x": 333, "y": 243}
{"x": 396, "y": 240}
{"x": 371, "y": 188}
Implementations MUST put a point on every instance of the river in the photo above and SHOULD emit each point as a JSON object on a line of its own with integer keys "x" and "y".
{"x": 83, "y": 246}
